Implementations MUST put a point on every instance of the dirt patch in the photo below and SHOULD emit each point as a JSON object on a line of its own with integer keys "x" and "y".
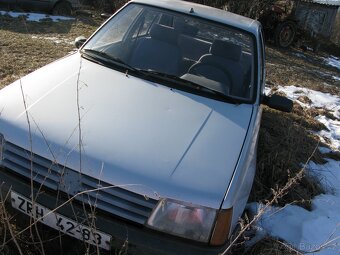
{"x": 304, "y": 99}
{"x": 285, "y": 142}
{"x": 302, "y": 69}
{"x": 26, "y": 46}
{"x": 306, "y": 117}
{"x": 25, "y": 55}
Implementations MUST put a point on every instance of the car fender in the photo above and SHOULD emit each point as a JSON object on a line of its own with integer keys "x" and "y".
{"x": 241, "y": 183}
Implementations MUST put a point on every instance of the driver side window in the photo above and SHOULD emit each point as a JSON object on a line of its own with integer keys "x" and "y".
{"x": 142, "y": 27}
{"x": 111, "y": 34}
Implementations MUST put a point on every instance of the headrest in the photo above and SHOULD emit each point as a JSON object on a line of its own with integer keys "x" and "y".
{"x": 185, "y": 29}
{"x": 163, "y": 33}
{"x": 226, "y": 50}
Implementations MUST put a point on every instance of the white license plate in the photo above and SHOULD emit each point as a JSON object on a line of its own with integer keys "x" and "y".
{"x": 61, "y": 223}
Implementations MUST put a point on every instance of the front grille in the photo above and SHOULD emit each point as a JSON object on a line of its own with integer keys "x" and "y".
{"x": 118, "y": 201}
{"x": 115, "y": 200}
{"x": 19, "y": 160}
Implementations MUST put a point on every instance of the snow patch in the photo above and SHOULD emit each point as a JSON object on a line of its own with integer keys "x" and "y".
{"x": 333, "y": 132}
{"x": 300, "y": 55}
{"x": 330, "y": 2}
{"x": 337, "y": 78}
{"x": 324, "y": 150}
{"x": 324, "y": 101}
{"x": 316, "y": 231}
{"x": 267, "y": 90}
{"x": 53, "y": 39}
{"x": 319, "y": 99}
{"x": 37, "y": 17}
{"x": 333, "y": 61}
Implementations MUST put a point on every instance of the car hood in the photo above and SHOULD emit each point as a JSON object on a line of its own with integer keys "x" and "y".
{"x": 136, "y": 133}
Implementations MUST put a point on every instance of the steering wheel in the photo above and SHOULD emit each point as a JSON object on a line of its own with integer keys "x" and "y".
{"x": 211, "y": 72}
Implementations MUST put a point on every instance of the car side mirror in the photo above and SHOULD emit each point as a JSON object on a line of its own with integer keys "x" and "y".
{"x": 278, "y": 102}
{"x": 79, "y": 41}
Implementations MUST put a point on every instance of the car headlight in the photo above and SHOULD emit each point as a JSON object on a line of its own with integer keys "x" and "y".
{"x": 183, "y": 219}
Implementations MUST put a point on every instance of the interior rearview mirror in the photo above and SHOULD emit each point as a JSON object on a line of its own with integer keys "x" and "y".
{"x": 278, "y": 102}
{"x": 79, "y": 41}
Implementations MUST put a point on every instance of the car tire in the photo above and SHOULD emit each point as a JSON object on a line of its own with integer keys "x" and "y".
{"x": 62, "y": 8}
{"x": 284, "y": 34}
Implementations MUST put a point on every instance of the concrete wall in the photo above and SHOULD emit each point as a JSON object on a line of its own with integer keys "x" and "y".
{"x": 336, "y": 31}
{"x": 316, "y": 19}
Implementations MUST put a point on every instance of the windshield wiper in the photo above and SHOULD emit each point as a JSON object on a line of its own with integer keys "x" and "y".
{"x": 102, "y": 56}
{"x": 157, "y": 74}
{"x": 188, "y": 83}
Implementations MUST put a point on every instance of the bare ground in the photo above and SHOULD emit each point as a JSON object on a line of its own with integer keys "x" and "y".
{"x": 26, "y": 46}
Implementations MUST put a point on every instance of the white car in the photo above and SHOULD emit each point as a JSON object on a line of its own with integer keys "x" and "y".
{"x": 147, "y": 135}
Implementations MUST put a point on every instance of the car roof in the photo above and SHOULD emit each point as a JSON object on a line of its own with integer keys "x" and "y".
{"x": 206, "y": 12}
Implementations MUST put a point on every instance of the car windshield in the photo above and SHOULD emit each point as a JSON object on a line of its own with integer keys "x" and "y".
{"x": 174, "y": 45}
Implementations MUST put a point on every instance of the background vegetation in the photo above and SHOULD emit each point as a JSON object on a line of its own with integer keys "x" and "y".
{"x": 26, "y": 46}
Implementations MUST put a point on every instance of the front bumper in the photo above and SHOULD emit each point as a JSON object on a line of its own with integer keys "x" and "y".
{"x": 139, "y": 239}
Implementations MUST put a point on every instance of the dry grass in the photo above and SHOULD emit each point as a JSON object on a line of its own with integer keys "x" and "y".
{"x": 285, "y": 142}
{"x": 301, "y": 68}
{"x": 269, "y": 246}
{"x": 30, "y": 244}
{"x": 285, "y": 139}
{"x": 25, "y": 55}
{"x": 26, "y": 46}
